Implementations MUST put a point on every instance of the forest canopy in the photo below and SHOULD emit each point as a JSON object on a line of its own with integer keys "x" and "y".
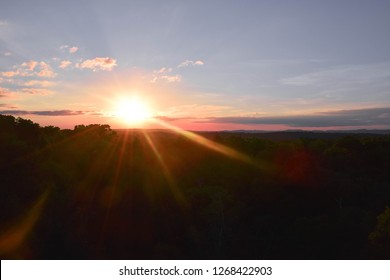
{"x": 97, "y": 193}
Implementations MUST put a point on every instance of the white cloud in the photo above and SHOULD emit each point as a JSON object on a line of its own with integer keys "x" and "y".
{"x": 7, "y": 54}
{"x": 171, "y": 79}
{"x": 166, "y": 78}
{"x": 187, "y": 63}
{"x": 3, "y": 23}
{"x": 69, "y": 49}
{"x": 98, "y": 63}
{"x": 163, "y": 70}
{"x": 64, "y": 64}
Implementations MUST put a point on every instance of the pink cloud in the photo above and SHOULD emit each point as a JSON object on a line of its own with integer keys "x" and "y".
{"x": 98, "y": 63}
{"x": 8, "y": 106}
{"x": 64, "y": 64}
{"x": 45, "y": 70}
{"x": 163, "y": 75}
{"x": 166, "y": 78}
{"x": 39, "y": 83}
{"x": 73, "y": 49}
{"x": 5, "y": 92}
{"x": 30, "y": 68}
{"x": 37, "y": 91}
{"x": 29, "y": 65}
{"x": 9, "y": 74}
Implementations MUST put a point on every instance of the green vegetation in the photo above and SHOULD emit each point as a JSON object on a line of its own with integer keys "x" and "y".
{"x": 95, "y": 193}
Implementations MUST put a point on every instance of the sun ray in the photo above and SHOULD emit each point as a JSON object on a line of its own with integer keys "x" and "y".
{"x": 217, "y": 147}
{"x": 171, "y": 182}
{"x": 113, "y": 188}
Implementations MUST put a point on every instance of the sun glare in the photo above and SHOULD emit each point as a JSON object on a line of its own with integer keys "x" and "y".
{"x": 132, "y": 110}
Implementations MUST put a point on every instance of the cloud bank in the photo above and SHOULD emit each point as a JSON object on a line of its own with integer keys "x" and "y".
{"x": 360, "y": 117}
{"x": 8, "y": 106}
{"x": 42, "y": 113}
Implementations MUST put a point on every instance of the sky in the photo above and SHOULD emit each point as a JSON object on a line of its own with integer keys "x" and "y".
{"x": 198, "y": 65}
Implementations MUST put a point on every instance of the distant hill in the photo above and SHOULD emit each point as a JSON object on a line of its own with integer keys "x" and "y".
{"x": 298, "y": 134}
{"x": 279, "y": 135}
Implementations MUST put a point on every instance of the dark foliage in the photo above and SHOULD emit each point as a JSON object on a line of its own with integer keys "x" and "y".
{"x": 95, "y": 193}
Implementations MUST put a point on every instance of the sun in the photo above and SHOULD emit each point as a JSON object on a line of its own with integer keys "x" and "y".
{"x": 132, "y": 110}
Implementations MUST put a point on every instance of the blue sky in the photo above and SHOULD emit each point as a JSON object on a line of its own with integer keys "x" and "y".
{"x": 198, "y": 64}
